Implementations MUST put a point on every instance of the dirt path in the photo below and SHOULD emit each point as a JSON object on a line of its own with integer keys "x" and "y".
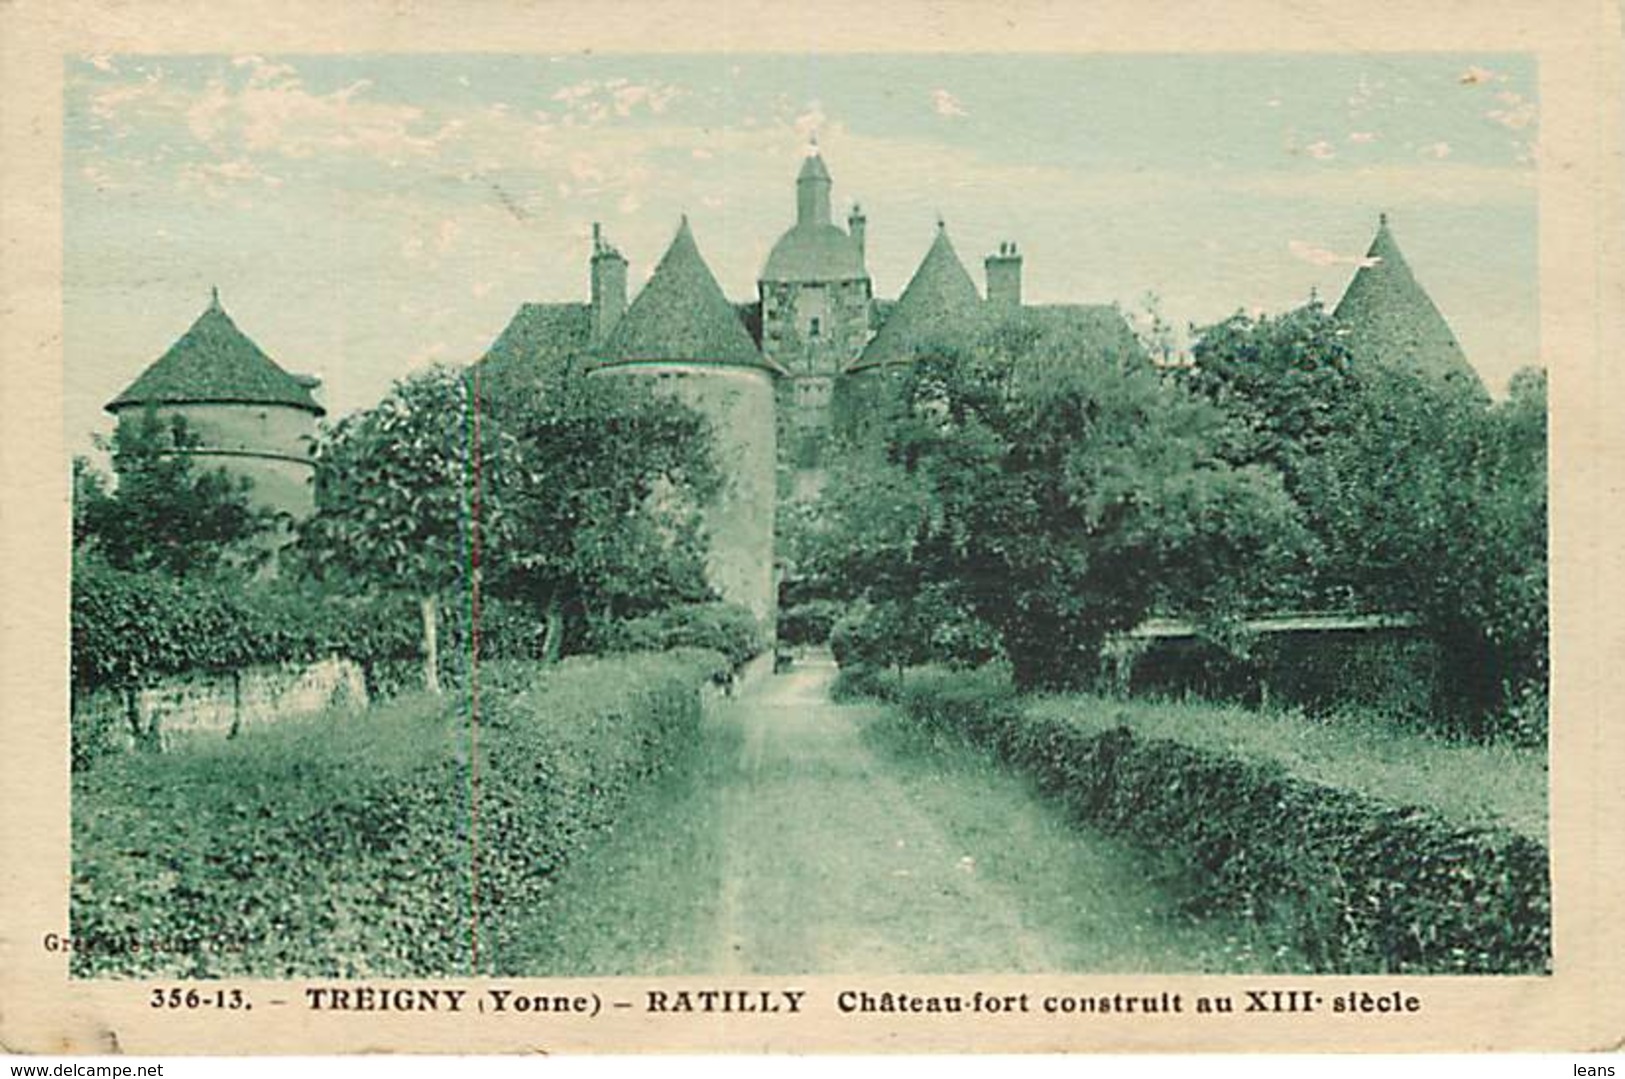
{"x": 803, "y": 842}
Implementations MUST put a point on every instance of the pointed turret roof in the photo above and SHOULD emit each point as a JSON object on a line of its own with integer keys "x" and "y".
{"x": 682, "y": 315}
{"x": 1391, "y": 319}
{"x": 813, "y": 168}
{"x": 941, "y": 291}
{"x": 215, "y": 362}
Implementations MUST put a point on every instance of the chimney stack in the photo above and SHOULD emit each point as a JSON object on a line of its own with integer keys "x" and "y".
{"x": 857, "y": 225}
{"x": 1004, "y": 276}
{"x": 608, "y": 286}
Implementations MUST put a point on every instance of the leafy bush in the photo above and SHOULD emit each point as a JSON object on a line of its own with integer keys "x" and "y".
{"x": 858, "y": 681}
{"x": 365, "y": 847}
{"x": 1358, "y": 884}
{"x": 927, "y": 628}
{"x": 719, "y": 627}
{"x": 133, "y": 628}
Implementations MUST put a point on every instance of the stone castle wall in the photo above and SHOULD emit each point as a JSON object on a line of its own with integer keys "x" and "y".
{"x": 221, "y": 704}
{"x": 269, "y": 444}
{"x": 739, "y": 403}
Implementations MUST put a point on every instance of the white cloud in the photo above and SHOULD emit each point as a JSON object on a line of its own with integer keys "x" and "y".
{"x": 947, "y": 104}
{"x": 1438, "y": 150}
{"x": 1362, "y": 136}
{"x": 700, "y": 153}
{"x": 217, "y": 179}
{"x": 593, "y": 101}
{"x": 115, "y": 101}
{"x": 261, "y": 70}
{"x": 1320, "y": 256}
{"x": 1517, "y": 114}
{"x": 1320, "y": 151}
{"x": 102, "y": 62}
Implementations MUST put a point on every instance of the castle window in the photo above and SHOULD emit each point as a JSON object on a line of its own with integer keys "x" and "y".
{"x": 813, "y": 331}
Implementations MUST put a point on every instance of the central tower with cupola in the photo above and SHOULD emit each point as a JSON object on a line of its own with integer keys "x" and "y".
{"x": 815, "y": 294}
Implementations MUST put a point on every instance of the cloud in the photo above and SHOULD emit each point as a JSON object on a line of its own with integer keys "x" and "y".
{"x": 1475, "y": 75}
{"x": 217, "y": 179}
{"x": 593, "y": 101}
{"x": 1516, "y": 114}
{"x": 102, "y": 62}
{"x": 946, "y": 104}
{"x": 115, "y": 102}
{"x": 1320, "y": 256}
{"x": 1438, "y": 150}
{"x": 1320, "y": 151}
{"x": 258, "y": 107}
{"x": 1362, "y": 136}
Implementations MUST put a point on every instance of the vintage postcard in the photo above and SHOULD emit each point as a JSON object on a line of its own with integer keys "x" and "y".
{"x": 616, "y": 528}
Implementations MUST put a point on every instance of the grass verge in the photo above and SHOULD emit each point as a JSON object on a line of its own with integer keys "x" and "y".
{"x": 401, "y": 842}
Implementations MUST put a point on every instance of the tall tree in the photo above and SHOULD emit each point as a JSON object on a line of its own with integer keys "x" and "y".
{"x": 607, "y": 511}
{"x": 1060, "y": 493}
{"x": 410, "y": 497}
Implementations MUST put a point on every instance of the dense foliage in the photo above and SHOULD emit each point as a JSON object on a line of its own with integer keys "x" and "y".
{"x": 361, "y": 847}
{"x": 167, "y": 514}
{"x": 606, "y": 503}
{"x": 1356, "y": 884}
{"x": 580, "y": 500}
{"x": 133, "y": 628}
{"x": 1420, "y": 497}
{"x": 727, "y": 628}
{"x": 130, "y": 629}
{"x": 1055, "y": 493}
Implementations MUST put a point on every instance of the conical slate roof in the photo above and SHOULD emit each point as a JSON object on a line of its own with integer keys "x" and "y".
{"x": 940, "y": 292}
{"x": 682, "y": 315}
{"x": 215, "y": 362}
{"x": 542, "y": 342}
{"x": 1390, "y": 318}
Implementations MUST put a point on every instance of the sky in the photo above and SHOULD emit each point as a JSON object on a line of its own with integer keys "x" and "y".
{"x": 366, "y": 215}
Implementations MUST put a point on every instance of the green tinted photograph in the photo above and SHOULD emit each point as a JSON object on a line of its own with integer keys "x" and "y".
{"x": 746, "y": 514}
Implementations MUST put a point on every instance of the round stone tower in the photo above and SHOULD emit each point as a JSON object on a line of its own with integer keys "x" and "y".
{"x": 249, "y": 416}
{"x": 682, "y": 332}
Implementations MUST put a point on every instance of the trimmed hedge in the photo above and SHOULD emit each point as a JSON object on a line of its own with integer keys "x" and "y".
{"x": 345, "y": 848}
{"x": 134, "y": 628}
{"x": 1358, "y": 885}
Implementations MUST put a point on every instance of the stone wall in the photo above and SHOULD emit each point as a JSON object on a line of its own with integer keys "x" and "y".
{"x": 269, "y": 444}
{"x": 219, "y": 705}
{"x": 739, "y": 403}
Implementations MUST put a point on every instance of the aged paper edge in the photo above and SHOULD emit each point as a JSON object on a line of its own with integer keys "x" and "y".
{"x": 1577, "y": 45}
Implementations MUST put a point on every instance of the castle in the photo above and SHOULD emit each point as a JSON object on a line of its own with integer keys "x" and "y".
{"x": 772, "y": 373}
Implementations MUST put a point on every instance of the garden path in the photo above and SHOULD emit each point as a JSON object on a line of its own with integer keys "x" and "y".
{"x": 810, "y": 839}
